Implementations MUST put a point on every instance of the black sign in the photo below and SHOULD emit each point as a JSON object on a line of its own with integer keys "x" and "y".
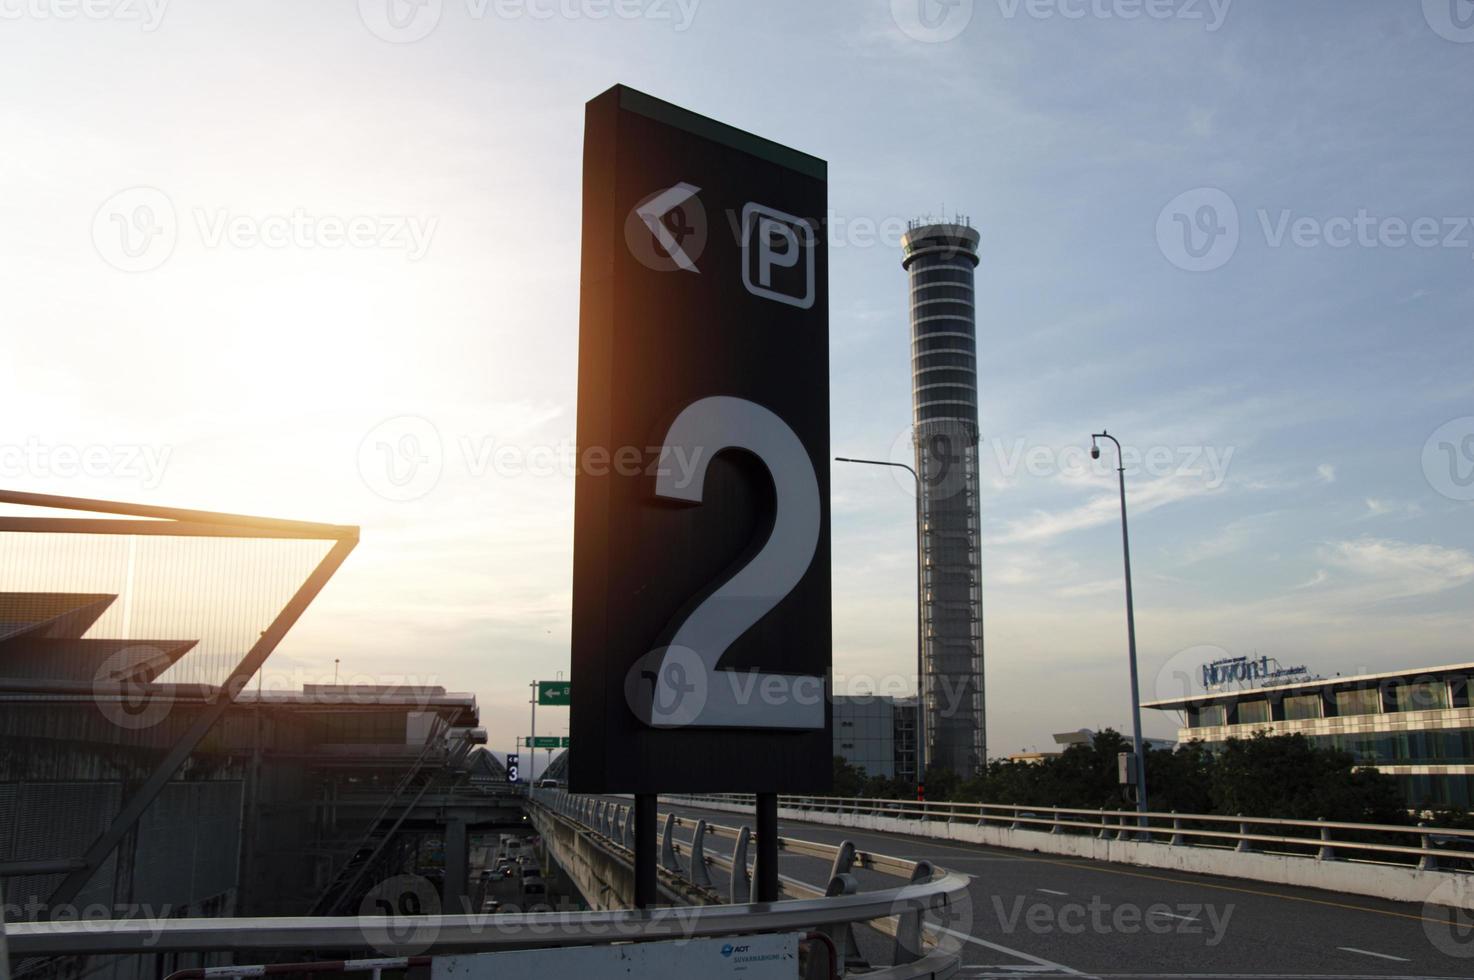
{"x": 514, "y": 771}
{"x": 701, "y": 583}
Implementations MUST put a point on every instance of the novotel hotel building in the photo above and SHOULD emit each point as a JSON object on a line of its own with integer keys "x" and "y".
{"x": 1416, "y": 725}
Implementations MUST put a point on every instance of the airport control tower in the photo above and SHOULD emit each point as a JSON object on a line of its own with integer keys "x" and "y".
{"x": 941, "y": 258}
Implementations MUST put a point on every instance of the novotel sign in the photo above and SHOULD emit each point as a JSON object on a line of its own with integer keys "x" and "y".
{"x": 1247, "y": 670}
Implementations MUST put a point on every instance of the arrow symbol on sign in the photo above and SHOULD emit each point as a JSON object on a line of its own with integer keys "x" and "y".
{"x": 653, "y": 210}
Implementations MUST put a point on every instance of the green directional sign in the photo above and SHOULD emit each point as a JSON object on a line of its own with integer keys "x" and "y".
{"x": 554, "y": 692}
{"x": 546, "y": 742}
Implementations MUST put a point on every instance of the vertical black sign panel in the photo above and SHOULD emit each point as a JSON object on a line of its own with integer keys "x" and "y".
{"x": 701, "y": 585}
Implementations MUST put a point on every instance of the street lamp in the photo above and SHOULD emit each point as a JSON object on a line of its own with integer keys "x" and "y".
{"x": 920, "y": 628}
{"x": 1130, "y": 627}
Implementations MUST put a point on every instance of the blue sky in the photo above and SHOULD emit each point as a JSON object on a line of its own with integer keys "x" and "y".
{"x": 1311, "y": 336}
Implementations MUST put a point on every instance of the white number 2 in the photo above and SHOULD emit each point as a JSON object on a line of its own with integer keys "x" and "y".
{"x": 688, "y": 688}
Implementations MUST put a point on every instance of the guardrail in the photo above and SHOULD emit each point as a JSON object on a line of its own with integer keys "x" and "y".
{"x": 915, "y": 938}
{"x": 1427, "y": 848}
{"x": 913, "y": 912}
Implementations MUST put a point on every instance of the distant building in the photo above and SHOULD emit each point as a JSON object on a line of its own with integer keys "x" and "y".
{"x": 1033, "y": 756}
{"x": 1086, "y": 736}
{"x": 877, "y": 734}
{"x": 1416, "y": 725}
{"x": 1081, "y": 736}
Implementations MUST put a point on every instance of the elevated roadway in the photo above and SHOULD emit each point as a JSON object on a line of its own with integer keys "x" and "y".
{"x": 1037, "y": 915}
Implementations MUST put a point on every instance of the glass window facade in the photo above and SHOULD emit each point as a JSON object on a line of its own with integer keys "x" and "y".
{"x": 1366, "y": 702}
{"x": 944, "y": 324}
{"x": 1422, "y": 696}
{"x": 929, "y": 307}
{"x": 942, "y": 291}
{"x": 1254, "y": 713}
{"x": 1439, "y": 790}
{"x": 1302, "y": 706}
{"x": 943, "y": 274}
{"x": 928, "y": 344}
{"x": 944, "y": 410}
{"x": 959, "y": 359}
{"x": 1207, "y": 716}
{"x": 945, "y": 375}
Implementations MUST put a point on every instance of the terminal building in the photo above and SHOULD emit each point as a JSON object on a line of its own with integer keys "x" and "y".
{"x": 1416, "y": 725}
{"x": 138, "y": 779}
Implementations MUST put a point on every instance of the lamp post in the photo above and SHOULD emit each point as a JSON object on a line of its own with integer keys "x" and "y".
{"x": 1130, "y": 627}
{"x": 920, "y": 628}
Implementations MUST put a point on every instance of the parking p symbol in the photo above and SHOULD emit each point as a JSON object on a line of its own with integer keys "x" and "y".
{"x": 778, "y": 256}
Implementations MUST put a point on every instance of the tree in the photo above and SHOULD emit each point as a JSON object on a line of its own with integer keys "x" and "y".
{"x": 1288, "y": 776}
{"x": 1269, "y": 776}
{"x": 1263, "y": 776}
{"x": 1180, "y": 780}
{"x": 848, "y": 779}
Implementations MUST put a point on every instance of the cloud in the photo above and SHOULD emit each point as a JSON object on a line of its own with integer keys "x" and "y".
{"x": 1084, "y": 589}
{"x": 1326, "y": 472}
{"x": 1233, "y": 537}
{"x": 1377, "y": 507}
{"x": 1318, "y": 578}
{"x": 1045, "y": 525}
{"x": 1396, "y": 569}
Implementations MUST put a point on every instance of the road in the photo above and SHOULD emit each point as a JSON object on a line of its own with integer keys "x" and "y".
{"x": 1047, "y": 916}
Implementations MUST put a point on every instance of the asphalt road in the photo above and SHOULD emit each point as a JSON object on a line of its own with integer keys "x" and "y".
{"x": 1042, "y": 915}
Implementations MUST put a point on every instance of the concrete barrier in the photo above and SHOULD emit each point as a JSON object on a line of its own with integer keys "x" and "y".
{"x": 601, "y": 870}
{"x": 1398, "y": 883}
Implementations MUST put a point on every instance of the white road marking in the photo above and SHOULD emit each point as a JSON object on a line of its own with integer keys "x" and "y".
{"x": 1051, "y": 891}
{"x": 1174, "y": 915}
{"x": 996, "y": 947}
{"x": 1380, "y": 956}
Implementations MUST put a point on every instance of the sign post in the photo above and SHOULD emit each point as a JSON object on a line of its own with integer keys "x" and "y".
{"x": 701, "y": 581}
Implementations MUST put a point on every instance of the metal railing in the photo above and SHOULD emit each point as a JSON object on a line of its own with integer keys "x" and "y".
{"x": 442, "y": 934}
{"x": 913, "y": 912}
{"x": 1428, "y": 848}
{"x": 915, "y": 937}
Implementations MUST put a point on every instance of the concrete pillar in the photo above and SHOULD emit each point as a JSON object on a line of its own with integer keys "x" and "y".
{"x": 1428, "y": 862}
{"x": 1244, "y": 846}
{"x": 699, "y": 874}
{"x": 668, "y": 859}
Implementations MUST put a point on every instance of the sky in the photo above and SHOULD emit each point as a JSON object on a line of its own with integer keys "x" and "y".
{"x": 242, "y": 246}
